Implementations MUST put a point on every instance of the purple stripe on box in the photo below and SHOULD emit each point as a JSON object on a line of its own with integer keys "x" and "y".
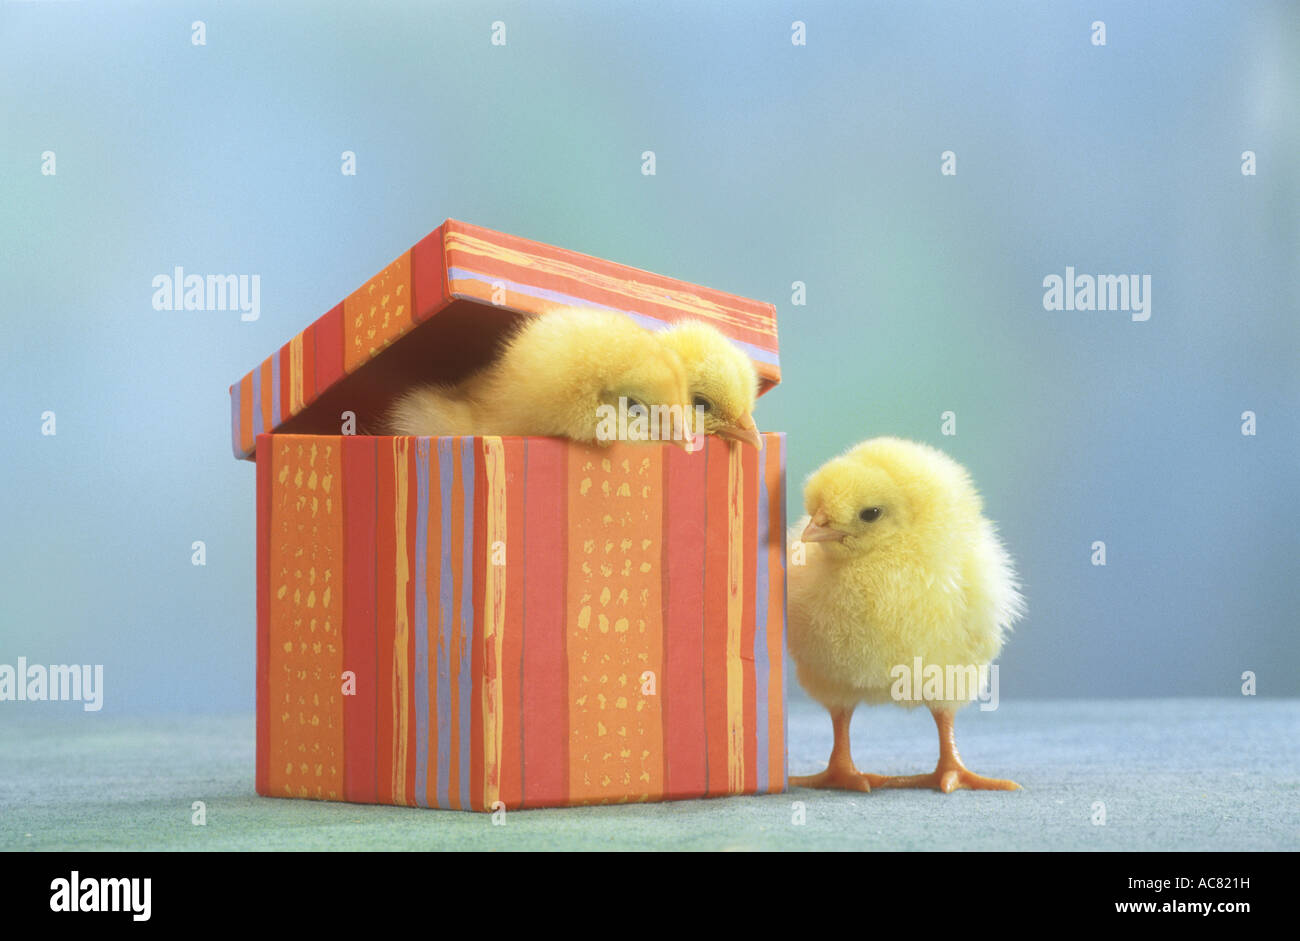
{"x": 444, "y": 624}
{"x": 234, "y": 419}
{"x": 422, "y": 622}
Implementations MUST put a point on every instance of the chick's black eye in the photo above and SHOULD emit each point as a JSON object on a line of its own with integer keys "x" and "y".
{"x": 701, "y": 402}
{"x": 870, "y": 514}
{"x": 636, "y": 407}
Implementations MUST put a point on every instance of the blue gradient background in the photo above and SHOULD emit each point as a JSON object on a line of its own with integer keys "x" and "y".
{"x": 775, "y": 164}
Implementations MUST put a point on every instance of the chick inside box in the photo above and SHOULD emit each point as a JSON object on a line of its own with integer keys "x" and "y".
{"x": 478, "y": 622}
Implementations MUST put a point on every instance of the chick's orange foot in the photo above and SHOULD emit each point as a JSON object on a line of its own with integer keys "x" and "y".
{"x": 949, "y": 774}
{"x": 959, "y": 778}
{"x": 838, "y": 777}
{"x": 840, "y": 773}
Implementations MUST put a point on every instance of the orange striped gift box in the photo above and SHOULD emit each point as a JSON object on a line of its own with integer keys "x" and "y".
{"x": 474, "y": 623}
{"x": 522, "y": 622}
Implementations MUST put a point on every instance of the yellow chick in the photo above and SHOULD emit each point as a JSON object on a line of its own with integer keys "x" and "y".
{"x": 560, "y": 374}
{"x": 897, "y": 562}
{"x": 723, "y": 383}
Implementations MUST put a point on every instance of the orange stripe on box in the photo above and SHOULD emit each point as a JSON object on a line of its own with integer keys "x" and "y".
{"x": 735, "y": 621}
{"x": 297, "y": 399}
{"x": 774, "y": 479}
{"x": 266, "y": 391}
{"x": 495, "y": 530}
{"x": 306, "y": 600}
{"x": 614, "y": 622}
{"x": 716, "y": 614}
{"x": 512, "y": 645}
{"x": 397, "y": 459}
{"x": 265, "y": 459}
{"x": 754, "y": 492}
{"x": 385, "y": 621}
{"x": 412, "y": 529}
{"x": 246, "y": 443}
{"x": 643, "y": 470}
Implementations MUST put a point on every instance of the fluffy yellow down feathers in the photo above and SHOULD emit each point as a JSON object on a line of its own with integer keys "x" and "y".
{"x": 895, "y": 561}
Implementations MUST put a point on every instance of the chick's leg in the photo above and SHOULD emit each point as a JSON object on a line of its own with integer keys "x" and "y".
{"x": 840, "y": 772}
{"x": 949, "y": 774}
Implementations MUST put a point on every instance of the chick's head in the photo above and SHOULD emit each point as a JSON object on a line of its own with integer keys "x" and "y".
{"x": 890, "y": 495}
{"x": 571, "y": 363}
{"x": 722, "y": 380}
{"x": 648, "y": 379}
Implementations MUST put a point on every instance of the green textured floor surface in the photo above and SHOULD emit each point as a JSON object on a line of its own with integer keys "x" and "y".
{"x": 1170, "y": 774}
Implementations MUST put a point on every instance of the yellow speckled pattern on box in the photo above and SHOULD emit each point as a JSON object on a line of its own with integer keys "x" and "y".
{"x": 615, "y": 626}
{"x": 306, "y": 601}
{"x": 377, "y": 313}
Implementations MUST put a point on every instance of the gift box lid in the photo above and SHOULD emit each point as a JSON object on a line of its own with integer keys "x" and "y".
{"x": 448, "y": 300}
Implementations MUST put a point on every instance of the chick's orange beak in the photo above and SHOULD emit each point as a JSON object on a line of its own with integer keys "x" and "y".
{"x": 743, "y": 429}
{"x": 819, "y": 530}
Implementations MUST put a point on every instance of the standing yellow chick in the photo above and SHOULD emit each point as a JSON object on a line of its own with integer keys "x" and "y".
{"x": 551, "y": 378}
{"x": 898, "y": 563}
{"x": 722, "y": 380}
